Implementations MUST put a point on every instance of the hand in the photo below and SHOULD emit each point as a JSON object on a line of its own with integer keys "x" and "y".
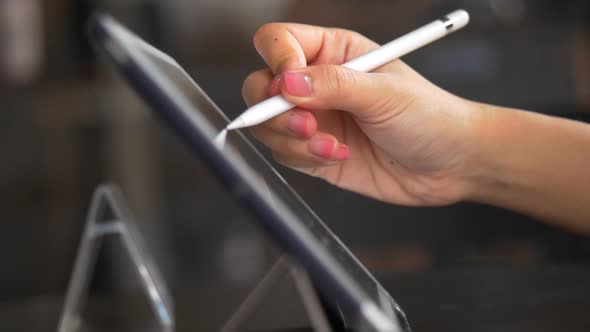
{"x": 389, "y": 134}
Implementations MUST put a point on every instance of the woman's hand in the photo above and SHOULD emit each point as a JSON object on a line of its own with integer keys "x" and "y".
{"x": 389, "y": 134}
{"x": 394, "y": 136}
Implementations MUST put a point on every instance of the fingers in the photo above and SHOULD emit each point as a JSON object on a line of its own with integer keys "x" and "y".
{"x": 286, "y": 46}
{"x": 292, "y": 136}
{"x": 320, "y": 150}
{"x": 297, "y": 122}
{"x": 256, "y": 86}
{"x": 279, "y": 48}
{"x": 368, "y": 96}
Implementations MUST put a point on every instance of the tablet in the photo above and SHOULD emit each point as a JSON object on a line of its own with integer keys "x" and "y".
{"x": 345, "y": 284}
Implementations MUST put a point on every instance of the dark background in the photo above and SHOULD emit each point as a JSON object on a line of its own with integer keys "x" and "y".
{"x": 68, "y": 123}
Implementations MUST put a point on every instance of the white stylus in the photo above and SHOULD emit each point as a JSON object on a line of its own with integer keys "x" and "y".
{"x": 367, "y": 62}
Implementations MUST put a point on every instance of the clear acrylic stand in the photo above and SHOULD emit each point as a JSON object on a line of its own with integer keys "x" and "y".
{"x": 309, "y": 297}
{"x": 109, "y": 215}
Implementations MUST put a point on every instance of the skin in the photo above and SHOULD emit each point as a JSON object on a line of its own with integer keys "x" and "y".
{"x": 394, "y": 136}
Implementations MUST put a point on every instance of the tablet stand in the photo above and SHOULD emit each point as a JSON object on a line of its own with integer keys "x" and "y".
{"x": 109, "y": 215}
{"x": 309, "y": 297}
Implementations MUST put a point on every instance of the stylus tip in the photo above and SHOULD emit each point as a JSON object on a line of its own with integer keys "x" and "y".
{"x": 236, "y": 124}
{"x": 220, "y": 139}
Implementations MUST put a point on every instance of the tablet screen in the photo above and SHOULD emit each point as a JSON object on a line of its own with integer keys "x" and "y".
{"x": 269, "y": 182}
{"x": 272, "y": 183}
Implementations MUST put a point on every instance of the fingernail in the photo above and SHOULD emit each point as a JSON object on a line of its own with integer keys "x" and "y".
{"x": 342, "y": 152}
{"x": 298, "y": 124}
{"x": 297, "y": 84}
{"x": 323, "y": 147}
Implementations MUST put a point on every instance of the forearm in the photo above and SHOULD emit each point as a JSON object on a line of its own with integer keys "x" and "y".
{"x": 535, "y": 164}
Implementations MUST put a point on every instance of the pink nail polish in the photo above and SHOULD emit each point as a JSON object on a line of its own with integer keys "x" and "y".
{"x": 323, "y": 147}
{"x": 342, "y": 153}
{"x": 298, "y": 124}
{"x": 297, "y": 84}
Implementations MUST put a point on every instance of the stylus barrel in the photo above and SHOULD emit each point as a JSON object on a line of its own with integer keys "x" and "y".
{"x": 397, "y": 48}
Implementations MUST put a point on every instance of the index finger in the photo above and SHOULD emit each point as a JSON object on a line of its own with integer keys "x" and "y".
{"x": 286, "y": 46}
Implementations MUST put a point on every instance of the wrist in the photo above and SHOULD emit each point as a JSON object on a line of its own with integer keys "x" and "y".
{"x": 487, "y": 174}
{"x": 530, "y": 163}
{"x": 508, "y": 155}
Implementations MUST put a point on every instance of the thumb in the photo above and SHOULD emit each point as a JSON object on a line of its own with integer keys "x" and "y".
{"x": 368, "y": 96}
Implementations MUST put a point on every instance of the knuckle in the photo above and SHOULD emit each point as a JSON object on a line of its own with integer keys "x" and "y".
{"x": 383, "y": 107}
{"x": 338, "y": 78}
{"x": 338, "y": 33}
{"x": 386, "y": 102}
{"x": 343, "y": 34}
{"x": 351, "y": 35}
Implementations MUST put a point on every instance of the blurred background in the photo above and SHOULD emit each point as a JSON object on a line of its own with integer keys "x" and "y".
{"x": 68, "y": 123}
